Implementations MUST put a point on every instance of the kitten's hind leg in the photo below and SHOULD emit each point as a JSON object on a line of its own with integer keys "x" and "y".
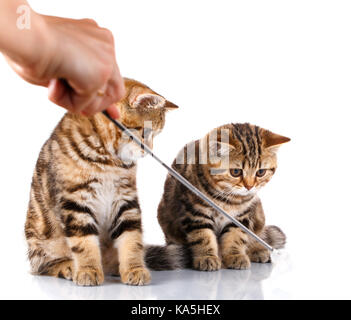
{"x": 274, "y": 236}
{"x": 44, "y": 262}
{"x": 257, "y": 253}
{"x": 60, "y": 268}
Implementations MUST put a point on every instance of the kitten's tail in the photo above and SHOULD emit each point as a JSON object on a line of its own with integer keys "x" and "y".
{"x": 168, "y": 257}
{"x": 274, "y": 236}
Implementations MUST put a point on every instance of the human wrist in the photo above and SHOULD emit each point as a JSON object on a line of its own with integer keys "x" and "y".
{"x": 23, "y": 34}
{"x": 42, "y": 43}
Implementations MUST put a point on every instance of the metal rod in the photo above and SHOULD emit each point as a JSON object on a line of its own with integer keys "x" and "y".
{"x": 186, "y": 183}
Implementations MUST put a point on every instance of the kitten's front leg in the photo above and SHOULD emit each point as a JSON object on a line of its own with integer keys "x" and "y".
{"x": 87, "y": 260}
{"x": 81, "y": 232}
{"x": 233, "y": 245}
{"x": 127, "y": 235}
{"x": 203, "y": 244}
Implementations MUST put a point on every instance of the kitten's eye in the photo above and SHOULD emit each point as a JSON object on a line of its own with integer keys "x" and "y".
{"x": 236, "y": 172}
{"x": 260, "y": 173}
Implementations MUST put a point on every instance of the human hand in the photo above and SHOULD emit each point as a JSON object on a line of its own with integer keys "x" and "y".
{"x": 76, "y": 60}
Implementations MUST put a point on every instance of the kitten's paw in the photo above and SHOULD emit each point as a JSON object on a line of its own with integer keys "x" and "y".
{"x": 237, "y": 261}
{"x": 88, "y": 277}
{"x": 65, "y": 271}
{"x": 136, "y": 277}
{"x": 62, "y": 270}
{"x": 207, "y": 263}
{"x": 261, "y": 256}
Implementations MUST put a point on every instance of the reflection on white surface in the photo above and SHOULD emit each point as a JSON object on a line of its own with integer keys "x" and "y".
{"x": 293, "y": 275}
{"x": 180, "y": 284}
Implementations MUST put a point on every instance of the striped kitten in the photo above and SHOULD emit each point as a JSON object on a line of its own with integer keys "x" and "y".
{"x": 236, "y": 170}
{"x": 84, "y": 217}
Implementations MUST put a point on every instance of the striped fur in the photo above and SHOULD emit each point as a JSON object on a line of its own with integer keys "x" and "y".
{"x": 198, "y": 230}
{"x": 84, "y": 217}
{"x": 169, "y": 257}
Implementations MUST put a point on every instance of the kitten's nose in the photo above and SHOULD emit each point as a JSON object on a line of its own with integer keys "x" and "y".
{"x": 248, "y": 184}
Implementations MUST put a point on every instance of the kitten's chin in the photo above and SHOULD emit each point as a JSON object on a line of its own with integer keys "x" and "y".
{"x": 245, "y": 192}
{"x": 129, "y": 153}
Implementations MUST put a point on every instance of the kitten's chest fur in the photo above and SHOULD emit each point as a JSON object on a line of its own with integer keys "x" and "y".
{"x": 108, "y": 194}
{"x": 239, "y": 212}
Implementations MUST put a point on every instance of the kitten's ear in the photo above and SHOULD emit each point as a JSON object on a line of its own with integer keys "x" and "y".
{"x": 147, "y": 100}
{"x": 272, "y": 140}
{"x": 169, "y": 106}
{"x": 150, "y": 100}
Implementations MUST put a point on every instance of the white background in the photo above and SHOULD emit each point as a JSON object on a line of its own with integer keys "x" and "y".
{"x": 282, "y": 65}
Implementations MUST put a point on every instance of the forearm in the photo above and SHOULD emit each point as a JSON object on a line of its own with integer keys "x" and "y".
{"x": 21, "y": 31}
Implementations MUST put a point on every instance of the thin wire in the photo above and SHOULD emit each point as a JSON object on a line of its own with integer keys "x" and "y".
{"x": 186, "y": 183}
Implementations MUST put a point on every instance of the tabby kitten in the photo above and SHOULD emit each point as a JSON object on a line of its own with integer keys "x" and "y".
{"x": 84, "y": 217}
{"x": 236, "y": 170}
